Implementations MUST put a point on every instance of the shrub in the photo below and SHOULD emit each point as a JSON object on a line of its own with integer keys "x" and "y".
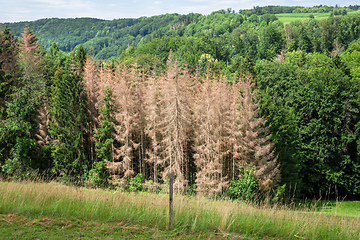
{"x": 98, "y": 176}
{"x": 244, "y": 187}
{"x": 135, "y": 183}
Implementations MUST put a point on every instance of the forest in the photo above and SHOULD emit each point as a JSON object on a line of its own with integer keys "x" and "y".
{"x": 234, "y": 104}
{"x": 105, "y": 39}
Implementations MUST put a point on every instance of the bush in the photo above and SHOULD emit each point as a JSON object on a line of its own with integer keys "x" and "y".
{"x": 98, "y": 177}
{"x": 191, "y": 190}
{"x": 135, "y": 183}
{"x": 245, "y": 187}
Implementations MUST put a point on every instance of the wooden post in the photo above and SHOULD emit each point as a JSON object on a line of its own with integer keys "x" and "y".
{"x": 171, "y": 201}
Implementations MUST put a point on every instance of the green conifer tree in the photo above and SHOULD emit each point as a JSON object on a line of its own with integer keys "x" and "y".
{"x": 104, "y": 135}
{"x": 67, "y": 107}
{"x": 304, "y": 41}
{"x": 8, "y": 58}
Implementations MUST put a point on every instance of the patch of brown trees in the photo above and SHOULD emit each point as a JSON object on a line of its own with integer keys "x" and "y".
{"x": 201, "y": 128}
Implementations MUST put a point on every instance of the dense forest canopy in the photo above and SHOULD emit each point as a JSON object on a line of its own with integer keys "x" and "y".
{"x": 231, "y": 103}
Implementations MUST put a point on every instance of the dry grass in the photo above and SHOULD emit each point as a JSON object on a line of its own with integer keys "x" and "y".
{"x": 190, "y": 213}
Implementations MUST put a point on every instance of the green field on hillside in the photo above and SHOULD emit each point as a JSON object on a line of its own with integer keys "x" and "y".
{"x": 292, "y": 17}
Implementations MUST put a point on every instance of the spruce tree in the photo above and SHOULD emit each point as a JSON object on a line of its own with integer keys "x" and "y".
{"x": 304, "y": 41}
{"x": 67, "y": 109}
{"x": 94, "y": 89}
{"x": 176, "y": 92}
{"x": 104, "y": 135}
{"x": 139, "y": 111}
{"x": 256, "y": 149}
{"x": 20, "y": 127}
{"x": 236, "y": 128}
{"x": 8, "y": 69}
{"x": 125, "y": 120}
{"x": 208, "y": 141}
{"x": 152, "y": 129}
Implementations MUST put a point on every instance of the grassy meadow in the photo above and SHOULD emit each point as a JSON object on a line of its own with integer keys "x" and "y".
{"x": 31, "y": 210}
{"x": 343, "y": 208}
{"x": 292, "y": 17}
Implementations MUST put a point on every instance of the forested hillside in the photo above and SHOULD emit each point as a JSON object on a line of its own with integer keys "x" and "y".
{"x": 106, "y": 39}
{"x": 232, "y": 103}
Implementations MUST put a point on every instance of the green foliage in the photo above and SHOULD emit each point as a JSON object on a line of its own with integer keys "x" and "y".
{"x": 81, "y": 56}
{"x": 20, "y": 160}
{"x": 268, "y": 18}
{"x": 279, "y": 195}
{"x": 321, "y": 107}
{"x": 304, "y": 41}
{"x": 103, "y": 39}
{"x": 191, "y": 190}
{"x": 104, "y": 133}
{"x": 206, "y": 62}
{"x": 293, "y": 9}
{"x": 98, "y": 177}
{"x": 271, "y": 42}
{"x": 19, "y": 127}
{"x": 8, "y": 67}
{"x": 222, "y": 34}
{"x": 135, "y": 183}
{"x": 67, "y": 109}
{"x": 246, "y": 186}
{"x": 286, "y": 138}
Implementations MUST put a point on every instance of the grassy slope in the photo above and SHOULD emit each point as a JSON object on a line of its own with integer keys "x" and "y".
{"x": 292, "y": 17}
{"x": 48, "y": 207}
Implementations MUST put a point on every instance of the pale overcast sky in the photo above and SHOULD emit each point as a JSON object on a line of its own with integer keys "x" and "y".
{"x": 28, "y": 10}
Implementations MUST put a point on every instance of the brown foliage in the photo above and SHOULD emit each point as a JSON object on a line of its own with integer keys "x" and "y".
{"x": 31, "y": 61}
{"x": 160, "y": 119}
{"x": 125, "y": 117}
{"x": 256, "y": 149}
{"x": 209, "y": 141}
{"x": 176, "y": 93}
{"x": 43, "y": 120}
{"x": 153, "y": 121}
{"x": 91, "y": 88}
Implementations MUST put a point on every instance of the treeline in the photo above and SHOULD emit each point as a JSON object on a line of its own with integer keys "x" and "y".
{"x": 232, "y": 47}
{"x": 295, "y": 9}
{"x": 108, "y": 39}
{"x": 275, "y": 107}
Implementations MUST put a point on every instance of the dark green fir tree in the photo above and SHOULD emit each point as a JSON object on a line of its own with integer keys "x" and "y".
{"x": 104, "y": 134}
{"x": 67, "y": 109}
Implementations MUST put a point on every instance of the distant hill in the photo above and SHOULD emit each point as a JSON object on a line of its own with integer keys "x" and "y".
{"x": 103, "y": 38}
{"x": 109, "y": 38}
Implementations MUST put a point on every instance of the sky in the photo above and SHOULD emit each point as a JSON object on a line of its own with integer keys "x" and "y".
{"x": 29, "y": 10}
